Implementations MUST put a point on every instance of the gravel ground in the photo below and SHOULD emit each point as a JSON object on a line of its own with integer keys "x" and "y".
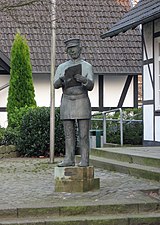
{"x": 30, "y": 181}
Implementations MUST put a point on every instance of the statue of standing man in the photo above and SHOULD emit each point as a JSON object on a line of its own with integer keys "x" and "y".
{"x": 75, "y": 77}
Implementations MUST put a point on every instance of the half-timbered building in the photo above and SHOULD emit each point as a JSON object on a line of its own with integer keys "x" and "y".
{"x": 147, "y": 13}
{"x": 116, "y": 63}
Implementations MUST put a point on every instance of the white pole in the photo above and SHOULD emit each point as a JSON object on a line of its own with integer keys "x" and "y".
{"x": 104, "y": 129}
{"x": 121, "y": 126}
{"x": 52, "y": 91}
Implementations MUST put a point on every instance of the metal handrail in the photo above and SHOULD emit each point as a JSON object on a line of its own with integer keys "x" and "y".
{"x": 106, "y": 119}
{"x": 4, "y": 86}
{"x": 104, "y": 123}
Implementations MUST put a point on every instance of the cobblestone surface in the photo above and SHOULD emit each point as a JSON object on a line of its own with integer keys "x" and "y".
{"x": 30, "y": 182}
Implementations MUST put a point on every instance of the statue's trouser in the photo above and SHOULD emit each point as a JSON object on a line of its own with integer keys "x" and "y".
{"x": 69, "y": 130}
{"x": 70, "y": 141}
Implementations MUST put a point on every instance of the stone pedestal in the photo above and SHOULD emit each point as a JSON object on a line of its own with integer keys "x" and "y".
{"x": 75, "y": 179}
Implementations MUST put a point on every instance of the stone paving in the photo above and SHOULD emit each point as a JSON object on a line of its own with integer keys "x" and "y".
{"x": 28, "y": 182}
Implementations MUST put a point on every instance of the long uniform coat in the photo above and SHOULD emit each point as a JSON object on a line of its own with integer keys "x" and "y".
{"x": 75, "y": 103}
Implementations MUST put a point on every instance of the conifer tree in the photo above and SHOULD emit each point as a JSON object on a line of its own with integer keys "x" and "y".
{"x": 21, "y": 89}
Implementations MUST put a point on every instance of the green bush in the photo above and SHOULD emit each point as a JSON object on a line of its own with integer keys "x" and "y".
{"x": 59, "y": 134}
{"x": 10, "y": 136}
{"x": 2, "y": 131}
{"x": 133, "y": 133}
{"x": 133, "y": 130}
{"x": 34, "y": 136}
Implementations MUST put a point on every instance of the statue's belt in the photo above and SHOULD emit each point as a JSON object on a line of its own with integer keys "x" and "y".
{"x": 75, "y": 97}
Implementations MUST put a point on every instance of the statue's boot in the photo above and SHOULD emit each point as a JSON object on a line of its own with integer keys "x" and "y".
{"x": 66, "y": 164}
{"x": 69, "y": 131}
{"x": 84, "y": 158}
{"x": 84, "y": 142}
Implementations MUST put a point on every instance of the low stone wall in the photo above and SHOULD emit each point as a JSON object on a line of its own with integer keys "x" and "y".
{"x": 8, "y": 151}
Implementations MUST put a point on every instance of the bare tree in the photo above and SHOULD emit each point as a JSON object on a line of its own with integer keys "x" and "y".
{"x": 14, "y": 7}
{"x": 12, "y": 4}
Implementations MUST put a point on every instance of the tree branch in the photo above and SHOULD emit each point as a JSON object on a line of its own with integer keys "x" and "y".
{"x": 11, "y": 6}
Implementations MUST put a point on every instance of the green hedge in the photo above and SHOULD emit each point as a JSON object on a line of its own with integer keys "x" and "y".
{"x": 34, "y": 136}
{"x": 32, "y": 133}
{"x": 2, "y": 131}
{"x": 59, "y": 134}
{"x": 10, "y": 136}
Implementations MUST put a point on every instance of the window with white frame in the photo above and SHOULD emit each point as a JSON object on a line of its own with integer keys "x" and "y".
{"x": 157, "y": 73}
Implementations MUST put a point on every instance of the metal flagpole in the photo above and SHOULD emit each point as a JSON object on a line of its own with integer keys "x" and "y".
{"x": 52, "y": 91}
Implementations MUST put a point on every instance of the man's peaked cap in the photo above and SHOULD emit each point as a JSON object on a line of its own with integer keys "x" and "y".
{"x": 72, "y": 42}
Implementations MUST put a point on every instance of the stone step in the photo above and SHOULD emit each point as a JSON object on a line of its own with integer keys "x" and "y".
{"x": 133, "y": 169}
{"x": 122, "y": 219}
{"x": 80, "y": 210}
{"x": 111, "y": 145}
{"x": 142, "y": 156}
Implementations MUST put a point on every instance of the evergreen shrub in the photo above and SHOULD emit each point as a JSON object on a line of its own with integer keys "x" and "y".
{"x": 2, "y": 131}
{"x": 34, "y": 134}
{"x": 17, "y": 115}
{"x": 133, "y": 130}
{"x": 10, "y": 136}
{"x": 21, "y": 89}
{"x": 59, "y": 134}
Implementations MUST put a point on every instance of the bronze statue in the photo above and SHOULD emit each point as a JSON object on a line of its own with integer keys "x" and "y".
{"x": 75, "y": 77}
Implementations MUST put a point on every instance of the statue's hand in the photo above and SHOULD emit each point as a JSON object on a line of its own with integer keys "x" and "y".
{"x": 62, "y": 79}
{"x": 80, "y": 78}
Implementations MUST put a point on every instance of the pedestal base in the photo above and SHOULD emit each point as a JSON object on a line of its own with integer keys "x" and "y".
{"x": 75, "y": 179}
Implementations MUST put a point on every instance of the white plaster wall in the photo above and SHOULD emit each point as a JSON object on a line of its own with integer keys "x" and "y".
{"x": 147, "y": 85}
{"x": 42, "y": 89}
{"x": 3, "y": 99}
{"x": 94, "y": 94}
{"x": 129, "y": 102}
{"x": 157, "y": 25}
{"x": 157, "y": 128}
{"x": 3, "y": 119}
{"x": 58, "y": 94}
{"x": 4, "y": 79}
{"x": 148, "y": 122}
{"x": 148, "y": 37}
{"x": 113, "y": 86}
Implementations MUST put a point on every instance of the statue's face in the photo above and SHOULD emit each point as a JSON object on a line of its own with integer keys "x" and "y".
{"x": 74, "y": 52}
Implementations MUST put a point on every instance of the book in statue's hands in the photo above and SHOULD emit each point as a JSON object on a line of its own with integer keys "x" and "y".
{"x": 70, "y": 72}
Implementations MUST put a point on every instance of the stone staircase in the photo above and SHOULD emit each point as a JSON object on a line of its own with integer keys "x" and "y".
{"x": 115, "y": 214}
{"x": 137, "y": 161}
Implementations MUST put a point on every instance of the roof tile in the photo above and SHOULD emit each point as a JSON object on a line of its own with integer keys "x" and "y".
{"x": 87, "y": 19}
{"x": 144, "y": 11}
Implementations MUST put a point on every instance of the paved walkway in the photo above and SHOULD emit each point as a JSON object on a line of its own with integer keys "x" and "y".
{"x": 30, "y": 182}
